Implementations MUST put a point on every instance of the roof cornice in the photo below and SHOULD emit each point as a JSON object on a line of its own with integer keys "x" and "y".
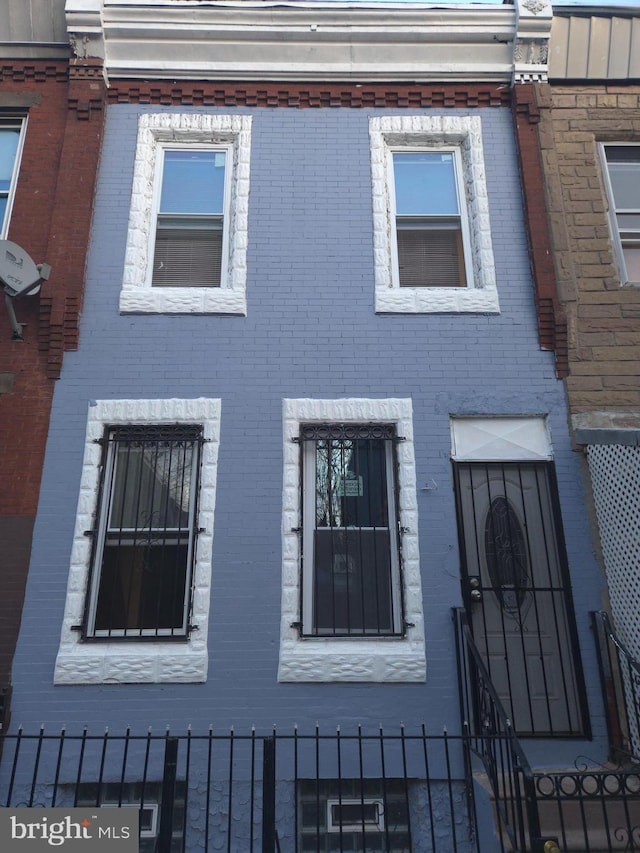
{"x": 332, "y": 41}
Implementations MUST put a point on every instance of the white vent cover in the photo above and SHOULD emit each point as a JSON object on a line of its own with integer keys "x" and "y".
{"x": 490, "y": 439}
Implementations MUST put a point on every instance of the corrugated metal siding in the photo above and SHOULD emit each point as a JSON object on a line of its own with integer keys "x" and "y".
{"x": 595, "y": 47}
{"x": 31, "y": 21}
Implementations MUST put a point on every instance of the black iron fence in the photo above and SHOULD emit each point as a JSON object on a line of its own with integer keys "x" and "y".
{"x": 363, "y": 790}
{"x": 591, "y": 810}
{"x": 258, "y": 793}
{"x": 620, "y": 680}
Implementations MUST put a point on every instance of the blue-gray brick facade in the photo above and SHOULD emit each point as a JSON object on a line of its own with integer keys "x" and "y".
{"x": 310, "y": 332}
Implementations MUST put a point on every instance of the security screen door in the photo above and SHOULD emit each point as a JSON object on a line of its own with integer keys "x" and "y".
{"x": 517, "y": 593}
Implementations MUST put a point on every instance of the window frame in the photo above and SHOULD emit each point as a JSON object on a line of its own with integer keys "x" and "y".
{"x": 10, "y": 122}
{"x": 151, "y": 808}
{"x": 157, "y": 213}
{"x": 375, "y": 658}
{"x": 309, "y": 528}
{"x": 463, "y": 134}
{"x": 158, "y": 132}
{"x": 462, "y": 207}
{"x": 613, "y": 211}
{"x": 134, "y": 659}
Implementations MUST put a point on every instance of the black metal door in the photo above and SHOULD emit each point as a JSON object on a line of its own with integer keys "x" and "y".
{"x": 517, "y": 593}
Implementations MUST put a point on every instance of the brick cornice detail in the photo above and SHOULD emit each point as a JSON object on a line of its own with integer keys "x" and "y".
{"x": 304, "y": 95}
{"x": 86, "y": 88}
{"x": 40, "y": 72}
{"x": 528, "y": 100}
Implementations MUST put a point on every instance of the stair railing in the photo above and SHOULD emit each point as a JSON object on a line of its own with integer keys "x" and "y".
{"x": 620, "y": 682}
{"x": 493, "y": 741}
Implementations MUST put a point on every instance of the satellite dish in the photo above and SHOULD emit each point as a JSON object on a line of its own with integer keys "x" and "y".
{"x": 20, "y": 277}
{"x": 18, "y": 273}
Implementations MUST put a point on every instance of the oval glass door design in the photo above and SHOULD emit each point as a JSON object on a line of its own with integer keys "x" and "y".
{"x": 505, "y": 554}
{"x": 517, "y": 593}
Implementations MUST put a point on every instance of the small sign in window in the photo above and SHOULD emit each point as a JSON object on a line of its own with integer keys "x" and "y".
{"x": 350, "y": 486}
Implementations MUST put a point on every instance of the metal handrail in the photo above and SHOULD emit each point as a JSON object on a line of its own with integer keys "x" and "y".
{"x": 493, "y": 740}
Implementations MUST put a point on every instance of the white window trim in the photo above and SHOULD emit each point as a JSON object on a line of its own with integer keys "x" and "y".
{"x": 22, "y": 120}
{"x": 155, "y": 132}
{"x": 613, "y": 219}
{"x": 124, "y": 662}
{"x": 396, "y": 133}
{"x": 357, "y": 660}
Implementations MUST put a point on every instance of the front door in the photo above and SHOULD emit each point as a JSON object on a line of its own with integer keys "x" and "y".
{"x": 517, "y": 594}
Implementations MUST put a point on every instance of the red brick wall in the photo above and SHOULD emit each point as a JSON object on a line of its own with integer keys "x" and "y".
{"x": 51, "y": 220}
{"x": 528, "y": 100}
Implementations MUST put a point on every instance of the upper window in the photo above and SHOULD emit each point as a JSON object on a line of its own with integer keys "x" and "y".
{"x": 351, "y": 595}
{"x": 142, "y": 547}
{"x": 11, "y": 134}
{"x": 145, "y": 541}
{"x": 350, "y": 556}
{"x": 623, "y": 171}
{"x": 428, "y": 183}
{"x": 187, "y": 239}
{"x": 432, "y": 236}
{"x": 189, "y": 236}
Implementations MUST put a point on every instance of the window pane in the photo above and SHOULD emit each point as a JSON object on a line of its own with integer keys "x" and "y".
{"x": 193, "y": 182}
{"x": 152, "y": 487}
{"x": 9, "y": 138}
{"x": 351, "y": 483}
{"x": 430, "y": 254}
{"x": 629, "y": 222}
{"x": 625, "y": 182}
{"x": 632, "y": 262}
{"x": 142, "y": 586}
{"x": 188, "y": 253}
{"x": 425, "y": 184}
{"x": 352, "y": 581}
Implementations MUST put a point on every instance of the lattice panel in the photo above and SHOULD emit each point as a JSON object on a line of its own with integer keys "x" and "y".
{"x": 615, "y": 475}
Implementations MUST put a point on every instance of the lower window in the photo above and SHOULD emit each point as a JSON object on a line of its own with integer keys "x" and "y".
{"x": 351, "y": 577}
{"x": 351, "y": 583}
{"x": 141, "y": 569}
{"x": 142, "y": 544}
{"x": 147, "y": 799}
{"x": 353, "y": 815}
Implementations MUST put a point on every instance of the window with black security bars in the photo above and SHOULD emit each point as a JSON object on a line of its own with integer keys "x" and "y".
{"x": 145, "y": 539}
{"x": 351, "y": 559}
